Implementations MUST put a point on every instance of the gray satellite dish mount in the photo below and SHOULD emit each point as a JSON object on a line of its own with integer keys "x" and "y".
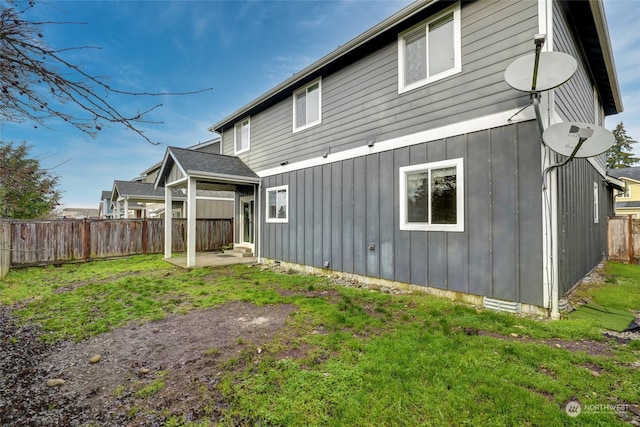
{"x": 539, "y": 72}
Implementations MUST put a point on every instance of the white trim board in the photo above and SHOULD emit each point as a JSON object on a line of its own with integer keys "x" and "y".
{"x": 459, "y": 128}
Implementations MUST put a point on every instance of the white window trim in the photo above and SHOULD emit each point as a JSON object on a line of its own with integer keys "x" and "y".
{"x": 295, "y": 115}
{"x": 596, "y": 203}
{"x": 235, "y": 142}
{"x": 457, "y": 42}
{"x": 423, "y": 226}
{"x": 286, "y": 212}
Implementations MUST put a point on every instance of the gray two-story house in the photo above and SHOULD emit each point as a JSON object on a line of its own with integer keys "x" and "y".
{"x": 404, "y": 158}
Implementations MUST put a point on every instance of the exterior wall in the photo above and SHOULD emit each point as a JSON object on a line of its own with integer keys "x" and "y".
{"x": 582, "y": 243}
{"x": 346, "y": 213}
{"x": 575, "y": 100}
{"x": 362, "y": 98}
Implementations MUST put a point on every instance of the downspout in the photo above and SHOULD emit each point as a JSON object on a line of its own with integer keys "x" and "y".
{"x": 258, "y": 239}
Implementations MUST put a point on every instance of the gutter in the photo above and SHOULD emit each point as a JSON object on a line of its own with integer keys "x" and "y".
{"x": 600, "y": 21}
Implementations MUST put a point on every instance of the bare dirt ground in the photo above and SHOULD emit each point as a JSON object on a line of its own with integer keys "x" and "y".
{"x": 186, "y": 353}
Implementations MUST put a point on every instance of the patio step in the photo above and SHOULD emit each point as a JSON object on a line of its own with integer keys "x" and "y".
{"x": 240, "y": 252}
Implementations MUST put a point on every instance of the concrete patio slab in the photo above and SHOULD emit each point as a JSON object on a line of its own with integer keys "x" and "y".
{"x": 211, "y": 259}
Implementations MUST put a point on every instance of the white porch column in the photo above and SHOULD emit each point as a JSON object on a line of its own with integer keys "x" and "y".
{"x": 117, "y": 212}
{"x": 167, "y": 222}
{"x": 191, "y": 222}
{"x": 126, "y": 208}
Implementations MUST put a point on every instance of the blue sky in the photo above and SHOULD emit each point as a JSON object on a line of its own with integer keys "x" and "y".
{"x": 241, "y": 49}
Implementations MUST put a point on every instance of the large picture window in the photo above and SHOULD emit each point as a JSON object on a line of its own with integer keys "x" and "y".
{"x": 430, "y": 51}
{"x": 431, "y": 196}
{"x": 278, "y": 204}
{"x": 307, "y": 106}
{"x": 242, "y": 136}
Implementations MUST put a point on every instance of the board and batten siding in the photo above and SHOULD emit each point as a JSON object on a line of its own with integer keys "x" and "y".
{"x": 346, "y": 213}
{"x": 362, "y": 98}
{"x": 582, "y": 243}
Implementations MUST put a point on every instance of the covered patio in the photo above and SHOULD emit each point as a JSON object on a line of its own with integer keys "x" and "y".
{"x": 189, "y": 171}
{"x": 211, "y": 259}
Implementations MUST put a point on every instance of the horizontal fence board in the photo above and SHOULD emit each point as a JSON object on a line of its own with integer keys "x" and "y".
{"x": 59, "y": 241}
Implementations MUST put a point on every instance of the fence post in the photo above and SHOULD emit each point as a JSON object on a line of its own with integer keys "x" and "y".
{"x": 144, "y": 235}
{"x": 232, "y": 235}
{"x": 86, "y": 241}
{"x": 630, "y": 239}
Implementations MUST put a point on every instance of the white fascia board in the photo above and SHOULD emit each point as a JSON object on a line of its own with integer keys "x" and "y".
{"x": 231, "y": 179}
{"x": 460, "y": 128}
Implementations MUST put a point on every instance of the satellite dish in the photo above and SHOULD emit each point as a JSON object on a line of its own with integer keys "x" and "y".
{"x": 580, "y": 140}
{"x": 554, "y": 69}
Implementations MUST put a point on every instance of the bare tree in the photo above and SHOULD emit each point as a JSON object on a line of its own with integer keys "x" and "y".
{"x": 37, "y": 84}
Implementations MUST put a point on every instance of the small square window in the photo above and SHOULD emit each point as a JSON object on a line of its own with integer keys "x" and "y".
{"x": 430, "y": 51}
{"x": 432, "y": 196}
{"x": 307, "y": 106}
{"x": 278, "y": 204}
{"x": 242, "y": 136}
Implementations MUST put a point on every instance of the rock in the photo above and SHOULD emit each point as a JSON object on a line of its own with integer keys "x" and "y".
{"x": 143, "y": 371}
{"x": 595, "y": 373}
{"x": 514, "y": 335}
{"x": 95, "y": 359}
{"x": 374, "y": 287}
{"x": 558, "y": 346}
{"x": 56, "y": 382}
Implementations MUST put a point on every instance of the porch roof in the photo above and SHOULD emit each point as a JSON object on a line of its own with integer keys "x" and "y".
{"x": 205, "y": 166}
{"x": 141, "y": 191}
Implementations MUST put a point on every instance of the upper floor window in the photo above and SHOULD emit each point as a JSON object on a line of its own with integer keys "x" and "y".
{"x": 430, "y": 51}
{"x": 242, "y": 136}
{"x": 278, "y": 204}
{"x": 307, "y": 106}
{"x": 432, "y": 196}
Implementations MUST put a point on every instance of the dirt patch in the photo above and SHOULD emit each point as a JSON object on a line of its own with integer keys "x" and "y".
{"x": 147, "y": 373}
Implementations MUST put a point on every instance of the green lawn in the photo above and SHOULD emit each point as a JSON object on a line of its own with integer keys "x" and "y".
{"x": 381, "y": 359}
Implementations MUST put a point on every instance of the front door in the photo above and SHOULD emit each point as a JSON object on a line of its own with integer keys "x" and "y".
{"x": 247, "y": 220}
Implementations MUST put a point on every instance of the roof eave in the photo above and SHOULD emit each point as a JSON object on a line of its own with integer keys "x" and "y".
{"x": 600, "y": 21}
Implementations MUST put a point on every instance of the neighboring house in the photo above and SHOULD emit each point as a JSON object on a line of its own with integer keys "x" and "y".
{"x": 105, "y": 210}
{"x": 139, "y": 198}
{"x": 628, "y": 200}
{"x": 79, "y": 213}
{"x": 404, "y": 158}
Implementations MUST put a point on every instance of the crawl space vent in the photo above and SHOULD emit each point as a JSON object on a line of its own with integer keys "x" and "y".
{"x": 501, "y": 305}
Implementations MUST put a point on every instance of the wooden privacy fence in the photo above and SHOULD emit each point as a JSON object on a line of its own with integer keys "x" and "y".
{"x": 624, "y": 239}
{"x": 40, "y": 242}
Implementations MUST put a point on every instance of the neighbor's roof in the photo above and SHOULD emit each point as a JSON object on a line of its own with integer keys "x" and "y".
{"x": 106, "y": 194}
{"x": 630, "y": 173}
{"x": 198, "y": 164}
{"x": 589, "y": 23}
{"x": 142, "y": 190}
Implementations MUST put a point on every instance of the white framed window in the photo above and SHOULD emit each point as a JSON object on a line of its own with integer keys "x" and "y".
{"x": 432, "y": 196}
{"x": 242, "y": 136}
{"x": 278, "y": 204}
{"x": 596, "y": 203}
{"x": 430, "y": 51}
{"x": 307, "y": 106}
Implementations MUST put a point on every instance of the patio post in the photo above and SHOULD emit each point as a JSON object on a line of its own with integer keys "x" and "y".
{"x": 191, "y": 222}
{"x": 168, "y": 228}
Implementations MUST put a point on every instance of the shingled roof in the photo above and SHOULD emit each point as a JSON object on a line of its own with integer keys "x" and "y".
{"x": 206, "y": 165}
{"x": 142, "y": 190}
{"x": 631, "y": 173}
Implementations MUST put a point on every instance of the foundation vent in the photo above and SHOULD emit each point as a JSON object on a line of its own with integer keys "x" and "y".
{"x": 501, "y": 305}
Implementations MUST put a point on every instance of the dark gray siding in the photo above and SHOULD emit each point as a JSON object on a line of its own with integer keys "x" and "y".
{"x": 582, "y": 243}
{"x": 362, "y": 98}
{"x": 355, "y": 225}
{"x": 574, "y": 100}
